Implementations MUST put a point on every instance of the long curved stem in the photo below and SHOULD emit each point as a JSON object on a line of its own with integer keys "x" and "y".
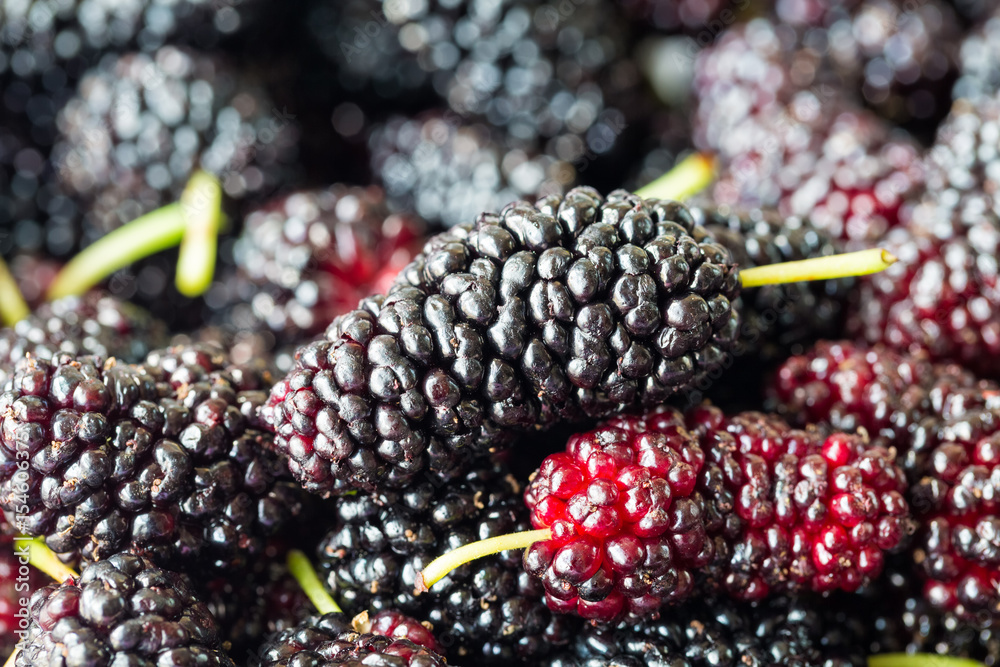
{"x": 13, "y": 307}
{"x": 858, "y": 263}
{"x": 144, "y": 236}
{"x": 42, "y": 558}
{"x": 689, "y": 177}
{"x": 442, "y": 565}
{"x": 302, "y": 570}
{"x": 201, "y": 205}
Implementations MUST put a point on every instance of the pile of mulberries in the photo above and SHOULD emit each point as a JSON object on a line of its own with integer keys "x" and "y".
{"x": 413, "y": 333}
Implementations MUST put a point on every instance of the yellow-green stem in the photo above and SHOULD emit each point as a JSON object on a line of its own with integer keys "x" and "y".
{"x": 919, "y": 660}
{"x": 442, "y": 565}
{"x": 42, "y": 558}
{"x": 144, "y": 236}
{"x": 12, "y": 658}
{"x": 689, "y": 177}
{"x": 13, "y": 307}
{"x": 201, "y": 205}
{"x": 858, "y": 263}
{"x": 302, "y": 570}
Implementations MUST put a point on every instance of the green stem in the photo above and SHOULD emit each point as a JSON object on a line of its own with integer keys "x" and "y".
{"x": 202, "y": 208}
{"x": 302, "y": 570}
{"x": 689, "y": 177}
{"x": 42, "y": 558}
{"x": 13, "y": 307}
{"x": 919, "y": 660}
{"x": 144, "y": 236}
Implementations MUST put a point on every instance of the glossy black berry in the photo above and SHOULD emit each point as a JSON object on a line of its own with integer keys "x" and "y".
{"x": 575, "y": 307}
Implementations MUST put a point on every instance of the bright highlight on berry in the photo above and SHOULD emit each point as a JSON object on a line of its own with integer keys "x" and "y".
{"x": 13, "y": 308}
{"x": 859, "y": 263}
{"x": 201, "y": 206}
{"x": 304, "y": 573}
{"x": 692, "y": 175}
{"x": 441, "y": 566}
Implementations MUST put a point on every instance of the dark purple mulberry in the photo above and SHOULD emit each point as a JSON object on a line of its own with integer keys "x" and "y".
{"x": 575, "y": 307}
{"x": 122, "y": 611}
{"x": 167, "y": 458}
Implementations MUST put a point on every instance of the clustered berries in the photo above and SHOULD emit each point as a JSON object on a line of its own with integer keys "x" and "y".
{"x": 644, "y": 506}
{"x": 576, "y": 307}
{"x": 123, "y": 610}
{"x": 944, "y": 424}
{"x": 166, "y": 457}
{"x": 411, "y": 392}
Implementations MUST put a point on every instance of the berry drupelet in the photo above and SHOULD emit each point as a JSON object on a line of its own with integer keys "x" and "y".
{"x": 166, "y": 458}
{"x": 903, "y": 58}
{"x": 889, "y": 394}
{"x": 122, "y": 611}
{"x": 785, "y": 139}
{"x": 943, "y": 293}
{"x": 642, "y": 507}
{"x": 575, "y": 307}
{"x": 958, "y": 549}
{"x": 93, "y": 324}
{"x": 141, "y": 124}
{"x": 944, "y": 424}
{"x": 309, "y": 256}
{"x": 332, "y": 640}
{"x": 490, "y": 609}
{"x": 964, "y": 159}
{"x": 784, "y": 632}
{"x": 448, "y": 170}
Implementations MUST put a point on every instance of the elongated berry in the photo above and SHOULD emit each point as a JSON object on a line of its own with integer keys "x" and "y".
{"x": 576, "y": 307}
{"x": 647, "y": 508}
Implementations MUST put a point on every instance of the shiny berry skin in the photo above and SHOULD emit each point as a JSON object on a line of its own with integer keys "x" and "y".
{"x": 776, "y": 317}
{"x": 575, "y": 307}
{"x": 945, "y": 425}
{"x": 958, "y": 550}
{"x": 310, "y": 256}
{"x": 96, "y": 323}
{"x": 941, "y": 296}
{"x": 889, "y": 394}
{"x": 980, "y": 59}
{"x": 489, "y": 609}
{"x": 166, "y": 457}
{"x": 904, "y": 621}
{"x": 137, "y": 113}
{"x": 646, "y": 507}
{"x": 123, "y": 610}
{"x": 332, "y": 640}
{"x": 717, "y": 632}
